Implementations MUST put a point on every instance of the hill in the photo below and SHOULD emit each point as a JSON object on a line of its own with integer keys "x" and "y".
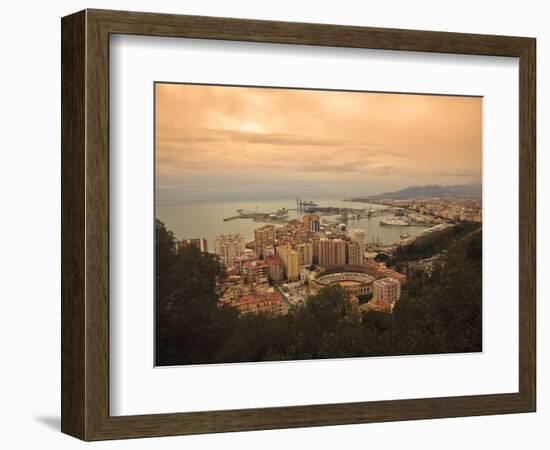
{"x": 431, "y": 191}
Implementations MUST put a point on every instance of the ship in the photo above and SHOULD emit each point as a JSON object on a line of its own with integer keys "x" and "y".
{"x": 280, "y": 214}
{"x": 310, "y": 207}
{"x": 395, "y": 221}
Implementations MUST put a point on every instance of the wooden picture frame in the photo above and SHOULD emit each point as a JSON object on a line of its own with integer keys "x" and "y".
{"x": 85, "y": 224}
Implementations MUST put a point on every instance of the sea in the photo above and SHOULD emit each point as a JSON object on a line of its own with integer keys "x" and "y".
{"x": 205, "y": 219}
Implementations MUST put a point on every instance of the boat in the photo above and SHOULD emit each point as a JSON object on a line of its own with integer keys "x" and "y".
{"x": 395, "y": 222}
{"x": 280, "y": 214}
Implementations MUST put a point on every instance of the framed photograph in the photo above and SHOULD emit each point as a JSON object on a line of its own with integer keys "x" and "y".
{"x": 272, "y": 225}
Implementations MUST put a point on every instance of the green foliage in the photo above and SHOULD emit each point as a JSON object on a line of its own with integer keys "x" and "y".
{"x": 442, "y": 314}
{"x": 438, "y": 243}
{"x": 188, "y": 323}
{"x": 381, "y": 257}
{"x": 436, "y": 314}
{"x": 165, "y": 258}
{"x": 364, "y": 298}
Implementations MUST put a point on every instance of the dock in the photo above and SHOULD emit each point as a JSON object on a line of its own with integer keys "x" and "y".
{"x": 279, "y": 217}
{"x": 227, "y": 219}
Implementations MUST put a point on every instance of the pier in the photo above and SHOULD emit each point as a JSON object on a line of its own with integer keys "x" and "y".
{"x": 227, "y": 219}
{"x": 251, "y": 215}
{"x": 345, "y": 213}
{"x": 355, "y": 213}
{"x": 310, "y": 207}
{"x": 279, "y": 216}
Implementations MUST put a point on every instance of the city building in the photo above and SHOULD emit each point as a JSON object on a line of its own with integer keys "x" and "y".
{"x": 268, "y": 303}
{"x": 228, "y": 247}
{"x": 380, "y": 270}
{"x": 303, "y": 236}
{"x": 332, "y": 252}
{"x": 315, "y": 245}
{"x": 312, "y": 222}
{"x": 355, "y": 253}
{"x": 386, "y": 290}
{"x": 305, "y": 274}
{"x": 289, "y": 258}
{"x": 232, "y": 278}
{"x": 293, "y": 224}
{"x": 359, "y": 235}
{"x": 255, "y": 272}
{"x": 276, "y": 270}
{"x": 305, "y": 254}
{"x": 269, "y": 250}
{"x": 239, "y": 261}
{"x": 236, "y": 290}
{"x": 200, "y": 243}
{"x": 295, "y": 293}
{"x": 263, "y": 237}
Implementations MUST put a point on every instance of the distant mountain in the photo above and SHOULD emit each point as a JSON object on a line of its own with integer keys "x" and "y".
{"x": 470, "y": 190}
{"x": 431, "y": 191}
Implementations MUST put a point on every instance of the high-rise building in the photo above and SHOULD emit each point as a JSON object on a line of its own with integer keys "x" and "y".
{"x": 200, "y": 243}
{"x": 255, "y": 272}
{"x": 339, "y": 251}
{"x": 386, "y": 290}
{"x": 332, "y": 252}
{"x": 355, "y": 256}
{"x": 305, "y": 254}
{"x": 312, "y": 222}
{"x": 359, "y": 235}
{"x": 324, "y": 252}
{"x": 276, "y": 269}
{"x": 269, "y": 250}
{"x": 315, "y": 244}
{"x": 263, "y": 237}
{"x": 228, "y": 247}
{"x": 289, "y": 258}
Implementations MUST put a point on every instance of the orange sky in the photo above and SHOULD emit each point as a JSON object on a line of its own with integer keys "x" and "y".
{"x": 223, "y": 143}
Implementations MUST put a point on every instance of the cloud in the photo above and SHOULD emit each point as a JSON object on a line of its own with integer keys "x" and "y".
{"x": 232, "y": 140}
{"x": 460, "y": 173}
{"x": 208, "y": 136}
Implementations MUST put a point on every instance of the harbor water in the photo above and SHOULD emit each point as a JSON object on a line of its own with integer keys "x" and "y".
{"x": 205, "y": 219}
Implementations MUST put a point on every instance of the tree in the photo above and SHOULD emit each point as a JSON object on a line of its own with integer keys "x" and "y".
{"x": 186, "y": 294}
{"x": 165, "y": 259}
{"x": 317, "y": 323}
{"x": 381, "y": 257}
{"x": 437, "y": 313}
